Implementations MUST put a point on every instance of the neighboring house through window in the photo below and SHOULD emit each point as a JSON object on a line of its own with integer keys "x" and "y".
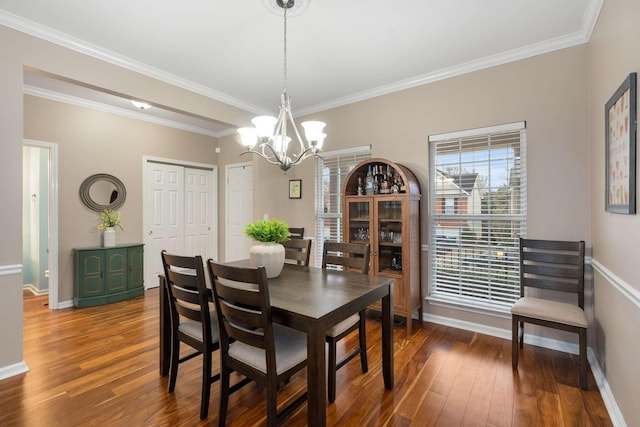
{"x": 477, "y": 215}
{"x": 331, "y": 172}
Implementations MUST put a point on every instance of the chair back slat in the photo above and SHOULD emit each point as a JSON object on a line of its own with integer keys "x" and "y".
{"x": 555, "y": 265}
{"x": 296, "y": 232}
{"x": 242, "y": 304}
{"x": 298, "y": 250}
{"x": 350, "y": 255}
{"x": 187, "y": 290}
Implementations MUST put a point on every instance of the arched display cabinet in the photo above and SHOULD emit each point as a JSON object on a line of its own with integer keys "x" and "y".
{"x": 389, "y": 220}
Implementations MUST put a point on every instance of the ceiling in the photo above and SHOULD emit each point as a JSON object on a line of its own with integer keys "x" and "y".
{"x": 338, "y": 51}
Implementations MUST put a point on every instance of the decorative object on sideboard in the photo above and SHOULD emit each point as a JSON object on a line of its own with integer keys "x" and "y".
{"x": 102, "y": 191}
{"x": 267, "y": 250}
{"x": 620, "y": 149}
{"x": 268, "y": 138}
{"x": 109, "y": 220}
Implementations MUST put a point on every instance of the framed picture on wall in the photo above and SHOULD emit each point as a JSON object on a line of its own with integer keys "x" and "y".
{"x": 620, "y": 149}
{"x": 295, "y": 188}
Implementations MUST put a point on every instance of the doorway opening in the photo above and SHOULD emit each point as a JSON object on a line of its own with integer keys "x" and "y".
{"x": 40, "y": 219}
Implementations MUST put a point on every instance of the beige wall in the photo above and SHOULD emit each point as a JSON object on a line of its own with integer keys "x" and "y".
{"x": 549, "y": 92}
{"x": 613, "y": 54}
{"x": 90, "y": 142}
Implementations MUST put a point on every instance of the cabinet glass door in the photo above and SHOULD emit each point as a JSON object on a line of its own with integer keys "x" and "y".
{"x": 360, "y": 221}
{"x": 389, "y": 227}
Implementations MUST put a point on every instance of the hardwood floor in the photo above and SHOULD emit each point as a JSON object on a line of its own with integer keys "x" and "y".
{"x": 99, "y": 367}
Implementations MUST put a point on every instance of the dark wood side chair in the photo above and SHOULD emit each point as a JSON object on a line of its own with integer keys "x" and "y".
{"x": 191, "y": 320}
{"x": 297, "y": 250}
{"x": 250, "y": 343}
{"x": 555, "y": 265}
{"x": 352, "y": 256}
{"x": 296, "y": 233}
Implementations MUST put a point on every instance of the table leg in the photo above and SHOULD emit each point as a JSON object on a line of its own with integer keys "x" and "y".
{"x": 316, "y": 379}
{"x": 387, "y": 339}
{"x": 165, "y": 329}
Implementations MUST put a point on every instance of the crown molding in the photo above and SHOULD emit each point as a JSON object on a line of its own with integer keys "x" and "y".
{"x": 82, "y": 102}
{"x": 48, "y": 34}
{"x": 558, "y": 43}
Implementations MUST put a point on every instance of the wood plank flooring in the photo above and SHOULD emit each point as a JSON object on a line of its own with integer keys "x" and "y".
{"x": 99, "y": 367}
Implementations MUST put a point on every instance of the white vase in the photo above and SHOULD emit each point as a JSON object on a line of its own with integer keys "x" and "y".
{"x": 267, "y": 254}
{"x": 109, "y": 237}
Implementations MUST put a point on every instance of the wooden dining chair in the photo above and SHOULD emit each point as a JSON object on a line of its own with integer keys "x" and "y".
{"x": 297, "y": 250}
{"x": 296, "y": 232}
{"x": 250, "y": 343}
{"x": 351, "y": 256}
{"x": 554, "y": 265}
{"x": 191, "y": 320}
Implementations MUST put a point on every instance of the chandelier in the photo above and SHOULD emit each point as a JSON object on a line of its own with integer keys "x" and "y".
{"x": 269, "y": 139}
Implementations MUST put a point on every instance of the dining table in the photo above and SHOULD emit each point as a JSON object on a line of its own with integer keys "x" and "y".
{"x": 312, "y": 300}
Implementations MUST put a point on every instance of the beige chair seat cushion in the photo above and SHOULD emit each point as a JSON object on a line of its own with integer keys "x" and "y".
{"x": 291, "y": 349}
{"x": 343, "y": 326}
{"x": 194, "y": 329}
{"x": 553, "y": 311}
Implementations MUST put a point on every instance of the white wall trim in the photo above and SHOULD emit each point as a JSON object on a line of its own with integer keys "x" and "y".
{"x": 34, "y": 290}
{"x": 605, "y": 391}
{"x": 623, "y": 287}
{"x": 65, "y": 304}
{"x": 53, "y": 36}
{"x": 8, "y": 270}
{"x": 531, "y": 339}
{"x": 98, "y": 106}
{"x": 12, "y": 370}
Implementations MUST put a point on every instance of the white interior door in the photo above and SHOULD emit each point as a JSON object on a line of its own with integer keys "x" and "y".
{"x": 199, "y": 229}
{"x": 239, "y": 210}
{"x": 164, "y": 217}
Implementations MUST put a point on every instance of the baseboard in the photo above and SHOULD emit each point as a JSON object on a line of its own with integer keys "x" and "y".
{"x": 34, "y": 290}
{"x": 607, "y": 395}
{"x": 65, "y": 304}
{"x": 502, "y": 333}
{"x": 12, "y": 370}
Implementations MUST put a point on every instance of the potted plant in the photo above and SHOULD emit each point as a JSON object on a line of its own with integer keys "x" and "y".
{"x": 267, "y": 251}
{"x": 109, "y": 220}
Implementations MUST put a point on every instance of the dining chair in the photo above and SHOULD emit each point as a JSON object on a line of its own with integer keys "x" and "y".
{"x": 297, "y": 251}
{"x": 191, "y": 319}
{"x": 296, "y": 232}
{"x": 554, "y": 265}
{"x": 250, "y": 343}
{"x": 351, "y": 256}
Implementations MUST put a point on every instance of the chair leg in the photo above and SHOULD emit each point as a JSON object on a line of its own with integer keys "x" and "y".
{"x": 224, "y": 395}
{"x": 272, "y": 410}
{"x": 521, "y": 334}
{"x": 173, "y": 369}
{"x": 331, "y": 382}
{"x": 583, "y": 358}
{"x": 362, "y": 333}
{"x": 514, "y": 342}
{"x": 206, "y": 384}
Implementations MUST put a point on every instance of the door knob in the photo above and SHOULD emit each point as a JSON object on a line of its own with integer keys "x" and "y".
{"x": 150, "y": 232}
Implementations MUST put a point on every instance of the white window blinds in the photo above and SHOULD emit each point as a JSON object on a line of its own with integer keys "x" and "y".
{"x": 331, "y": 172}
{"x": 477, "y": 214}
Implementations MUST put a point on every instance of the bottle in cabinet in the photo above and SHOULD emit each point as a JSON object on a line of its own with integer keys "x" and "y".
{"x": 390, "y": 222}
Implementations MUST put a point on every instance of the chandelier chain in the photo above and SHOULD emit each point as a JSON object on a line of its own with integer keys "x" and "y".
{"x": 285, "y": 52}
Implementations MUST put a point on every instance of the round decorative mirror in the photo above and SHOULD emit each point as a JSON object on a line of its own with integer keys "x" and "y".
{"x": 102, "y": 191}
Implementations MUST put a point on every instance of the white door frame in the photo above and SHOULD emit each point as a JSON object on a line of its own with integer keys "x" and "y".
{"x": 53, "y": 217}
{"x": 214, "y": 200}
{"x": 226, "y": 201}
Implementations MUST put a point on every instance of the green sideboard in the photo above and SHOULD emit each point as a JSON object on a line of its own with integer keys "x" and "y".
{"x": 106, "y": 275}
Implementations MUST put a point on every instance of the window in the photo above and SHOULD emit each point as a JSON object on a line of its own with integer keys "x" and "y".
{"x": 478, "y": 213}
{"x": 331, "y": 171}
